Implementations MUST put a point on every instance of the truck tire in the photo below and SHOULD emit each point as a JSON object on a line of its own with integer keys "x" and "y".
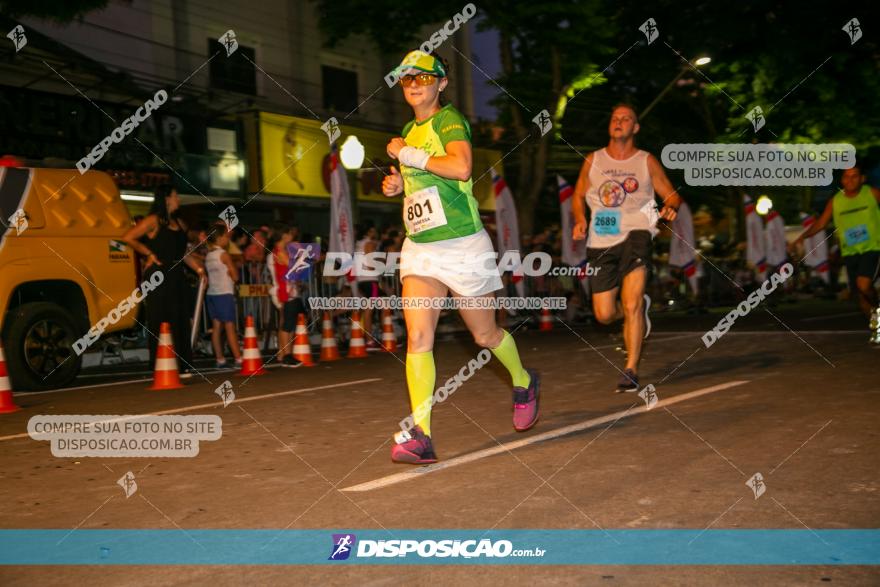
{"x": 39, "y": 347}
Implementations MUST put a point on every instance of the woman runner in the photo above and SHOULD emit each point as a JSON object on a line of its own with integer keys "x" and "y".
{"x": 445, "y": 250}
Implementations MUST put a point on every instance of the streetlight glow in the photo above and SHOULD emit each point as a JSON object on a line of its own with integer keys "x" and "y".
{"x": 702, "y": 60}
{"x": 763, "y": 205}
{"x": 352, "y": 153}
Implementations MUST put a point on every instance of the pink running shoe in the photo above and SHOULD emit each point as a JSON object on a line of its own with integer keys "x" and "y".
{"x": 525, "y": 403}
{"x": 413, "y": 447}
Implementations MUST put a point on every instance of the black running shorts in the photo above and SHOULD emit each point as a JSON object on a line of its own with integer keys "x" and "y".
{"x": 609, "y": 265}
{"x": 862, "y": 265}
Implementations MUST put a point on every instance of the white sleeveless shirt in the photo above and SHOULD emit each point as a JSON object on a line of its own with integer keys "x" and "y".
{"x": 621, "y": 198}
{"x": 219, "y": 282}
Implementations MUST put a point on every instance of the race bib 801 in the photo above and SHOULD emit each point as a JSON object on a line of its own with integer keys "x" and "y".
{"x": 423, "y": 210}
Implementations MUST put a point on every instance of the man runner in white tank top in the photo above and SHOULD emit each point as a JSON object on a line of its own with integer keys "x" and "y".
{"x": 619, "y": 183}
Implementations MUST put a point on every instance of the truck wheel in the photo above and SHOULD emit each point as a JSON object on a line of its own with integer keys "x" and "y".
{"x": 39, "y": 347}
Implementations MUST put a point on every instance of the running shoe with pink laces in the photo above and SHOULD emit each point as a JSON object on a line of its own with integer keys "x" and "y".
{"x": 413, "y": 446}
{"x": 525, "y": 403}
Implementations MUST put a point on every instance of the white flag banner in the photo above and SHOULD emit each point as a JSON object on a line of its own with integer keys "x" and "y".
{"x": 816, "y": 250}
{"x": 574, "y": 253}
{"x": 775, "y": 240}
{"x": 755, "y": 239}
{"x": 507, "y": 225}
{"x": 341, "y": 229}
{"x": 682, "y": 246}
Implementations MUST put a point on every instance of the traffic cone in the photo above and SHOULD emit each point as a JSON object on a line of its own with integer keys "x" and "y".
{"x": 7, "y": 405}
{"x": 165, "y": 375}
{"x": 546, "y": 321}
{"x": 389, "y": 341}
{"x": 329, "y": 350}
{"x": 356, "y": 347}
{"x": 251, "y": 359}
{"x": 302, "y": 351}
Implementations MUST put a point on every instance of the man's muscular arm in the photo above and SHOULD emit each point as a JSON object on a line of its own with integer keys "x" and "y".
{"x": 663, "y": 188}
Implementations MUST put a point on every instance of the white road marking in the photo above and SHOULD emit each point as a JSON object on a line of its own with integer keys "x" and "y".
{"x": 416, "y": 472}
{"x": 649, "y": 339}
{"x": 211, "y": 371}
{"x": 830, "y": 316}
{"x": 762, "y": 332}
{"x": 220, "y": 403}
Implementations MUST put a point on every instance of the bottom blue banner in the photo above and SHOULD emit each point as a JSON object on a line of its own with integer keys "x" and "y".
{"x": 432, "y": 547}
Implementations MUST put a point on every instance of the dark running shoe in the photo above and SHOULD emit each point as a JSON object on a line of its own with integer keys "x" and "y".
{"x": 629, "y": 382}
{"x": 525, "y": 403}
{"x": 413, "y": 447}
{"x": 290, "y": 362}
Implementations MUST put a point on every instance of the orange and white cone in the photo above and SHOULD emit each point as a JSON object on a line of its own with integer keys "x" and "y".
{"x": 546, "y": 321}
{"x": 389, "y": 341}
{"x": 165, "y": 375}
{"x": 329, "y": 350}
{"x": 302, "y": 350}
{"x": 251, "y": 359}
{"x": 7, "y": 405}
{"x": 356, "y": 346}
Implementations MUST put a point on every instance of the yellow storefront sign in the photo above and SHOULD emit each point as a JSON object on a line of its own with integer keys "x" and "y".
{"x": 295, "y": 153}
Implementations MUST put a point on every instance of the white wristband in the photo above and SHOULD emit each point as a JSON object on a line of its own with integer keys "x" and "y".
{"x": 413, "y": 157}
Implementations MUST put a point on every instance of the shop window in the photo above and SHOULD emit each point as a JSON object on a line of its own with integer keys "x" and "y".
{"x": 340, "y": 89}
{"x": 235, "y": 73}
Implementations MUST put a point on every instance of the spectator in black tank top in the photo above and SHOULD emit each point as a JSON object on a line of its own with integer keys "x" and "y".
{"x": 160, "y": 239}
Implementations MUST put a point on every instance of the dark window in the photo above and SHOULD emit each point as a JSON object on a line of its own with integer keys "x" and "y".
{"x": 340, "y": 89}
{"x": 236, "y": 72}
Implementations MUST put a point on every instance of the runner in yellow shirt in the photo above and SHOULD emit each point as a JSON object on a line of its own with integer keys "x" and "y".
{"x": 857, "y": 224}
{"x": 445, "y": 250}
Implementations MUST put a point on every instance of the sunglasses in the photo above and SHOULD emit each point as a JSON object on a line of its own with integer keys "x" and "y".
{"x": 422, "y": 79}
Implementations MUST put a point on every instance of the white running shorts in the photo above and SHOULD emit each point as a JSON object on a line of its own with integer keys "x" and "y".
{"x": 466, "y": 265}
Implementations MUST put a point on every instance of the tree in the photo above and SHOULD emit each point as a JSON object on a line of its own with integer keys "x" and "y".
{"x": 57, "y": 10}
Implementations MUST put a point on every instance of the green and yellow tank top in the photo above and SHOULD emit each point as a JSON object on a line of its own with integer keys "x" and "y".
{"x": 857, "y": 221}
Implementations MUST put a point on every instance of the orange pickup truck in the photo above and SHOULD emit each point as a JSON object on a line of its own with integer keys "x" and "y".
{"x": 62, "y": 268}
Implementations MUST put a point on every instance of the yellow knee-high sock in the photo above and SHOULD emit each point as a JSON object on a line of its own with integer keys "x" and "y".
{"x": 420, "y": 377}
{"x": 508, "y": 355}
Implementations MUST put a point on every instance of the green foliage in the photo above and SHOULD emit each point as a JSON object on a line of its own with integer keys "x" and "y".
{"x": 57, "y": 10}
